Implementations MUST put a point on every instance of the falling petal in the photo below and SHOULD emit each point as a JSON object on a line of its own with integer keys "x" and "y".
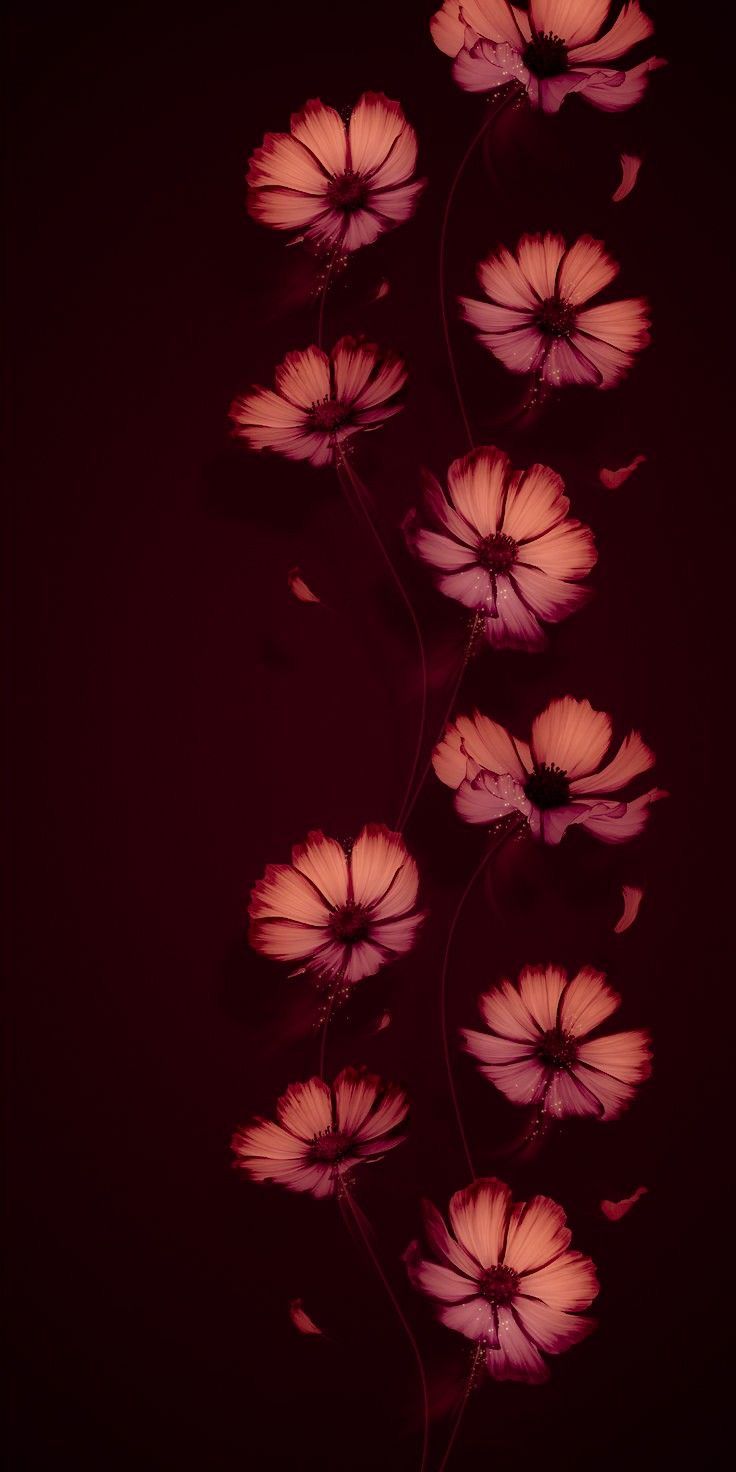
{"x": 612, "y": 479}
{"x": 614, "y": 1210}
{"x": 382, "y": 290}
{"x": 300, "y": 1318}
{"x": 383, "y": 1022}
{"x": 632, "y": 898}
{"x": 299, "y": 588}
{"x": 630, "y": 166}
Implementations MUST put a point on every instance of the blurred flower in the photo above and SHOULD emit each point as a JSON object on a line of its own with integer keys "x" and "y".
{"x": 324, "y": 1131}
{"x": 505, "y": 1277}
{"x": 320, "y": 402}
{"x": 536, "y": 320}
{"x": 340, "y": 915}
{"x": 504, "y": 544}
{"x": 342, "y": 186}
{"x": 555, "y": 781}
{"x": 550, "y": 50}
{"x": 538, "y": 1050}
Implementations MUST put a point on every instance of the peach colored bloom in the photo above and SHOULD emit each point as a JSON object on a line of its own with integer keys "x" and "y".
{"x": 341, "y": 186}
{"x": 536, "y": 319}
{"x": 554, "y": 781}
{"x": 323, "y": 1132}
{"x": 554, "y": 48}
{"x": 320, "y": 402}
{"x": 506, "y": 1277}
{"x": 502, "y": 542}
{"x": 538, "y": 1048}
{"x": 339, "y": 914}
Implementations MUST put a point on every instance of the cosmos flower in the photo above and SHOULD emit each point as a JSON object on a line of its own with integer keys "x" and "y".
{"x": 538, "y": 1048}
{"x": 502, "y": 542}
{"x": 555, "y": 48}
{"x": 320, "y": 402}
{"x": 323, "y": 1132}
{"x": 555, "y": 781}
{"x": 505, "y": 1276}
{"x": 339, "y": 914}
{"x": 536, "y": 319}
{"x": 341, "y": 186}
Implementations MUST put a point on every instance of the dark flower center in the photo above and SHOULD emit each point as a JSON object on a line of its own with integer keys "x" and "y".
{"x": 548, "y": 786}
{"x": 329, "y": 415}
{"x": 497, "y": 552}
{"x": 556, "y": 318}
{"x": 546, "y": 56}
{"x": 557, "y": 1048}
{"x": 499, "y": 1284}
{"x": 330, "y": 1147}
{"x": 347, "y": 192}
{"x": 350, "y": 924}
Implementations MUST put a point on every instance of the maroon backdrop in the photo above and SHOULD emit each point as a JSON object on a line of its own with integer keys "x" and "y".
{"x": 180, "y": 720}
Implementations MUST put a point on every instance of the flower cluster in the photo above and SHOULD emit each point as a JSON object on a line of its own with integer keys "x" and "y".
{"x": 501, "y": 540}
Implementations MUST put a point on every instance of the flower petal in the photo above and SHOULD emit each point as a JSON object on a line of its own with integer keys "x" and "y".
{"x": 568, "y": 1283}
{"x": 478, "y": 1217}
{"x": 323, "y": 862}
{"x": 629, "y": 28}
{"x": 585, "y": 269}
{"x": 384, "y": 876}
{"x": 632, "y": 758}
{"x": 493, "y": 747}
{"x": 322, "y": 131}
{"x": 538, "y": 1232}
{"x": 306, "y": 1109}
{"x": 571, "y": 735}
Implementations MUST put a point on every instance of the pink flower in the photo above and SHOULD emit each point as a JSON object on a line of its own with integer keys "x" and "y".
{"x": 323, "y": 1132}
{"x": 342, "y": 186}
{"x": 555, "y": 781}
{"x": 320, "y": 402}
{"x": 502, "y": 542}
{"x": 550, "y": 50}
{"x": 340, "y": 915}
{"x": 536, "y": 320}
{"x": 506, "y": 1278}
{"x": 538, "y": 1049}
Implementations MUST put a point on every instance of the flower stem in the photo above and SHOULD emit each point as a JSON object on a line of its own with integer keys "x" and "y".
{"x": 325, "y": 1027}
{"x": 353, "y": 1219}
{"x": 476, "y": 620}
{"x": 346, "y": 474}
{"x": 457, "y": 1423}
{"x": 491, "y": 116}
{"x": 497, "y": 842}
{"x": 323, "y": 298}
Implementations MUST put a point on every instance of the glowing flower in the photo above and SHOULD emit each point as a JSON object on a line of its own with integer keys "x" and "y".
{"x": 504, "y": 544}
{"x": 339, "y": 914}
{"x": 555, "y": 781}
{"x": 506, "y": 1278}
{"x": 538, "y": 1049}
{"x": 536, "y": 320}
{"x": 341, "y": 186}
{"x": 321, "y": 401}
{"x": 555, "y": 48}
{"x": 324, "y": 1131}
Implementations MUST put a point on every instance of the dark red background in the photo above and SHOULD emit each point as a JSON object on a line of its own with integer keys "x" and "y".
{"x": 179, "y": 720}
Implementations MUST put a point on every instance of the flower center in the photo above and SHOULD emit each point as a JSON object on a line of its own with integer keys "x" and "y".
{"x": 558, "y": 1049}
{"x": 350, "y": 924}
{"x": 546, "y": 56}
{"x": 548, "y": 786}
{"x": 499, "y": 1284}
{"x": 497, "y": 552}
{"x": 347, "y": 192}
{"x": 329, "y": 415}
{"x": 556, "y": 318}
{"x": 330, "y": 1147}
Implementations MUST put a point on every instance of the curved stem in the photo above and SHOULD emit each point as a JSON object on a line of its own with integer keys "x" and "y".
{"x": 345, "y": 472}
{"x": 457, "y": 1423}
{"x": 492, "y": 848}
{"x": 455, "y": 691}
{"x": 491, "y": 116}
{"x": 353, "y": 1219}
